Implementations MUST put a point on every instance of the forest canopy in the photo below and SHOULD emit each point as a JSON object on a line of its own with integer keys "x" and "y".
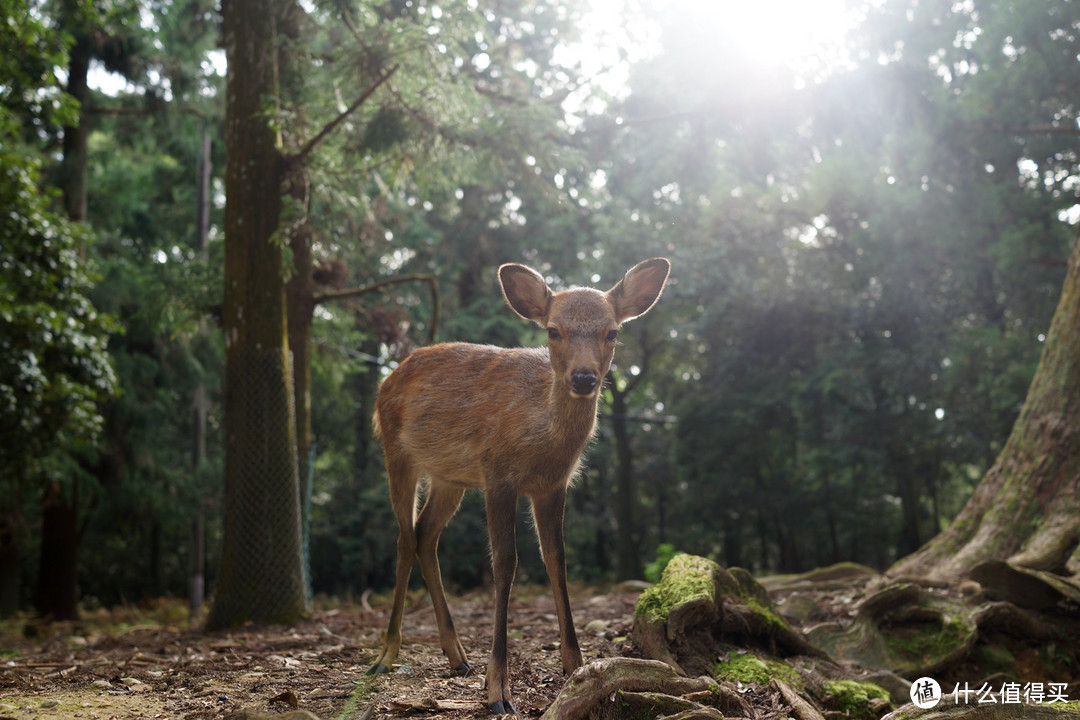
{"x": 869, "y": 217}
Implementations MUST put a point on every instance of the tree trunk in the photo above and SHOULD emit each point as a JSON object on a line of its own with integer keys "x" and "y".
{"x": 1026, "y": 510}
{"x": 628, "y": 553}
{"x": 300, "y": 296}
{"x": 365, "y": 386}
{"x": 10, "y": 587}
{"x": 200, "y": 402}
{"x": 262, "y": 571}
{"x": 73, "y": 180}
{"x": 57, "y": 586}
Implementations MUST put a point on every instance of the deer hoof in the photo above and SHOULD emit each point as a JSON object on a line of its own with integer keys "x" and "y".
{"x": 502, "y": 707}
{"x": 463, "y": 669}
{"x": 378, "y": 669}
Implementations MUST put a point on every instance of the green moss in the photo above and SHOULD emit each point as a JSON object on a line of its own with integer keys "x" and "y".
{"x": 855, "y": 699}
{"x": 927, "y": 643}
{"x": 766, "y": 613}
{"x": 633, "y": 713}
{"x": 749, "y": 669}
{"x": 995, "y": 657}
{"x": 686, "y": 578}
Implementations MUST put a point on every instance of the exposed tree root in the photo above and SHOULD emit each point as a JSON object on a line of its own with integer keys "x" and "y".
{"x": 592, "y": 686}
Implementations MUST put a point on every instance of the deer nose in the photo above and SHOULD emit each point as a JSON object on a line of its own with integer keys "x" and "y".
{"x": 583, "y": 382}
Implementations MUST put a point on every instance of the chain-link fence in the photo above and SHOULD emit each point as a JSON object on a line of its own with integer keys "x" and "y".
{"x": 263, "y": 574}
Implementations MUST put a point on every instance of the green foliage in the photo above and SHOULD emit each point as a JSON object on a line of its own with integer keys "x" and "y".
{"x": 31, "y": 49}
{"x": 664, "y": 553}
{"x": 54, "y": 369}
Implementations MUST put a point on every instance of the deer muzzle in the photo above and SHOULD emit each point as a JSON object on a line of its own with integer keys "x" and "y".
{"x": 583, "y": 382}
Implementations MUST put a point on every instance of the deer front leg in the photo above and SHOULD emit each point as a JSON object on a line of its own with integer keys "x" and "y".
{"x": 548, "y": 516}
{"x": 501, "y": 511}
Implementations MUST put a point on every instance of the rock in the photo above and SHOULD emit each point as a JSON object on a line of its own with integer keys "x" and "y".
{"x": 633, "y": 586}
{"x": 596, "y": 627}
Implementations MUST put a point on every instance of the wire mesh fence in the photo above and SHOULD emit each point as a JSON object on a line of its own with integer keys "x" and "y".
{"x": 263, "y": 574}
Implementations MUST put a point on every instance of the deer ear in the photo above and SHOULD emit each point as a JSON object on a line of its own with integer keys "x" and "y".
{"x": 639, "y": 289}
{"x": 525, "y": 291}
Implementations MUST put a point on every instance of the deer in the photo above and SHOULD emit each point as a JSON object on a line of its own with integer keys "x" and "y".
{"x": 509, "y": 422}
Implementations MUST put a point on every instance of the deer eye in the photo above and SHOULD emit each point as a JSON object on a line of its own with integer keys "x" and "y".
{"x": 553, "y": 334}
{"x": 612, "y": 335}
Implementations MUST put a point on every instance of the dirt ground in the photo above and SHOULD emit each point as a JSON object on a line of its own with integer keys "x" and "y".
{"x": 100, "y": 671}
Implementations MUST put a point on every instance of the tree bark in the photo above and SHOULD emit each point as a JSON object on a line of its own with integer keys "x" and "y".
{"x": 73, "y": 170}
{"x": 262, "y": 571}
{"x": 57, "y": 586}
{"x": 628, "y": 553}
{"x": 9, "y": 564}
{"x": 200, "y": 402}
{"x": 1026, "y": 510}
{"x": 300, "y": 295}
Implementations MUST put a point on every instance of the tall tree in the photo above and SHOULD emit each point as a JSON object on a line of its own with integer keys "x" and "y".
{"x": 262, "y": 570}
{"x": 54, "y": 371}
{"x": 1026, "y": 510}
{"x": 53, "y": 335}
{"x": 1012, "y": 68}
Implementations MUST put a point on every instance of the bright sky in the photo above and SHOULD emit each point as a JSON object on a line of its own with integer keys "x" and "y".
{"x": 784, "y": 31}
{"x": 803, "y": 34}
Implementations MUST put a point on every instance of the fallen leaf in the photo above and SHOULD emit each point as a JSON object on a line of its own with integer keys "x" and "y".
{"x": 287, "y": 698}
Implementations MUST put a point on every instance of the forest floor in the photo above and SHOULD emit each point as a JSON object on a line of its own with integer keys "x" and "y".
{"x": 132, "y": 663}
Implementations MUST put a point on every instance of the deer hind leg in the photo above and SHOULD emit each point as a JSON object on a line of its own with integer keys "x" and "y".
{"x": 403, "y": 479}
{"x": 441, "y": 504}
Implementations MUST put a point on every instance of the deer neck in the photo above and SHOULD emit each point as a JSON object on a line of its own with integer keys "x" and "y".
{"x": 573, "y": 419}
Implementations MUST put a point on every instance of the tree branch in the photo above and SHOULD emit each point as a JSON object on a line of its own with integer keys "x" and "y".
{"x": 1036, "y": 129}
{"x": 332, "y": 125}
{"x": 380, "y": 285}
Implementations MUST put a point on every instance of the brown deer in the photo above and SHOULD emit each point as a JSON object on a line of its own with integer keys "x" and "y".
{"x": 510, "y": 422}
